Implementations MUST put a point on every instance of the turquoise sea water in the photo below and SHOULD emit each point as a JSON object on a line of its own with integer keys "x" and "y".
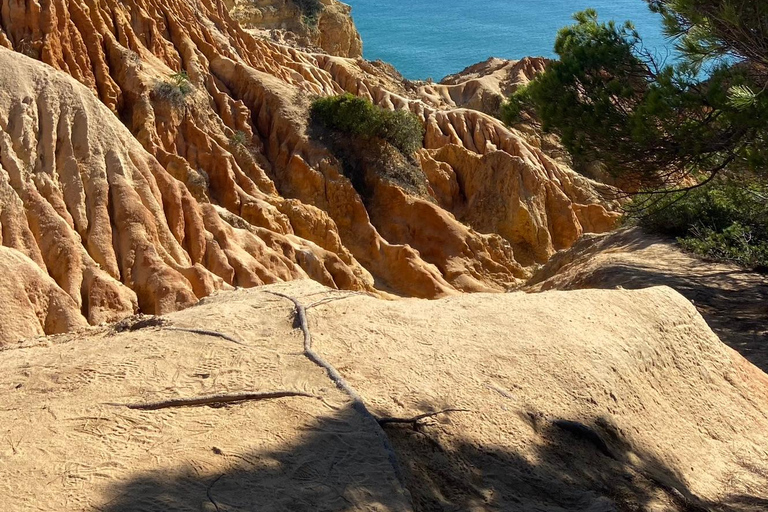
{"x": 434, "y": 38}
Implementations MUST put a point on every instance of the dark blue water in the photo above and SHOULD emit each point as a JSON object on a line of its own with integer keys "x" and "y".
{"x": 434, "y": 38}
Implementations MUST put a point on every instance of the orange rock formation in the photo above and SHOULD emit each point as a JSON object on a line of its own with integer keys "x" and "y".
{"x": 139, "y": 188}
{"x": 333, "y": 30}
{"x": 485, "y": 85}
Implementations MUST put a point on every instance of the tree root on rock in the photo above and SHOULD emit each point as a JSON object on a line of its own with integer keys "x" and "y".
{"x": 214, "y": 400}
{"x": 139, "y": 322}
{"x": 357, "y": 401}
{"x": 327, "y": 300}
{"x": 416, "y": 420}
{"x": 208, "y": 493}
{"x": 204, "y": 332}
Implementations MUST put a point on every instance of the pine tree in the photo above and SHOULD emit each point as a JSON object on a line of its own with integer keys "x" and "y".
{"x": 660, "y": 126}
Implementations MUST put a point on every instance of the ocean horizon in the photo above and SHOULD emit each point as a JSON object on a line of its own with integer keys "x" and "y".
{"x": 434, "y": 38}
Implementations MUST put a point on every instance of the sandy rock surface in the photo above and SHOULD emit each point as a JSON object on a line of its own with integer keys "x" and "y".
{"x": 588, "y": 400}
{"x": 733, "y": 301}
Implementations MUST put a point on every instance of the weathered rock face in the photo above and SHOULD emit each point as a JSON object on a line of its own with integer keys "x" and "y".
{"x": 333, "y": 31}
{"x": 32, "y": 302}
{"x": 513, "y": 194}
{"x": 483, "y": 86}
{"x": 140, "y": 187}
{"x": 583, "y": 401}
{"x": 112, "y": 228}
{"x": 337, "y": 32}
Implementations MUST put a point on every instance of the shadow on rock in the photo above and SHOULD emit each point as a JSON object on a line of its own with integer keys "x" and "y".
{"x": 733, "y": 301}
{"x": 336, "y": 467}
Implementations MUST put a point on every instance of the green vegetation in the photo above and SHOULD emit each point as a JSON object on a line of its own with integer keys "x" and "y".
{"x": 720, "y": 221}
{"x": 239, "y": 139}
{"x": 357, "y": 116}
{"x": 175, "y": 89}
{"x": 371, "y": 143}
{"x": 665, "y": 130}
{"x": 310, "y": 11}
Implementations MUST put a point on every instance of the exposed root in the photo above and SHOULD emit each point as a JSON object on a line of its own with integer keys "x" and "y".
{"x": 204, "y": 332}
{"x": 326, "y": 300}
{"x": 309, "y": 352}
{"x": 416, "y": 420}
{"x": 341, "y": 383}
{"x": 208, "y": 493}
{"x": 214, "y": 400}
{"x": 138, "y": 322}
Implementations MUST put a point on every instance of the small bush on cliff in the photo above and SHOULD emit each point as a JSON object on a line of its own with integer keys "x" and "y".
{"x": 372, "y": 144}
{"x": 310, "y": 11}
{"x": 175, "y": 89}
{"x": 357, "y": 116}
{"x": 239, "y": 139}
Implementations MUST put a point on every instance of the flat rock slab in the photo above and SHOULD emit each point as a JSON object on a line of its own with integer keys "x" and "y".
{"x": 588, "y": 400}
{"x": 732, "y": 300}
{"x": 66, "y": 448}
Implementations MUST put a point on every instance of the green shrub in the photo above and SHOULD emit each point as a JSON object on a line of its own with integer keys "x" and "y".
{"x": 357, "y": 116}
{"x": 403, "y": 130}
{"x": 310, "y": 11}
{"x": 175, "y": 89}
{"x": 239, "y": 139}
{"x": 737, "y": 243}
{"x": 721, "y": 221}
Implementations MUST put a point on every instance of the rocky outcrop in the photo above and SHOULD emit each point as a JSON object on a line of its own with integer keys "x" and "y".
{"x": 32, "y": 302}
{"x": 483, "y": 86}
{"x": 514, "y": 196}
{"x": 181, "y": 164}
{"x": 332, "y": 31}
{"x": 89, "y": 207}
{"x": 337, "y": 33}
{"x": 596, "y": 400}
{"x": 732, "y": 300}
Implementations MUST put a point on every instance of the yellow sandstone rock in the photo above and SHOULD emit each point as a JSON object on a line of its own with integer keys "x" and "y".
{"x": 181, "y": 164}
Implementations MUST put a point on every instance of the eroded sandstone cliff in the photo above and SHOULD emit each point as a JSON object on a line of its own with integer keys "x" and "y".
{"x": 331, "y": 30}
{"x": 181, "y": 164}
{"x": 485, "y": 85}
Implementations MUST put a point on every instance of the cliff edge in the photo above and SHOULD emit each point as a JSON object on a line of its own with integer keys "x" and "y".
{"x": 330, "y": 29}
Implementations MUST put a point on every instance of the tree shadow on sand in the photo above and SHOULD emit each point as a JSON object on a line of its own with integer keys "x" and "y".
{"x": 336, "y": 467}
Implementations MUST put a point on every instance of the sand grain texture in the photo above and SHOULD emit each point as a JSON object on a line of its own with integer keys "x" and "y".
{"x": 681, "y": 416}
